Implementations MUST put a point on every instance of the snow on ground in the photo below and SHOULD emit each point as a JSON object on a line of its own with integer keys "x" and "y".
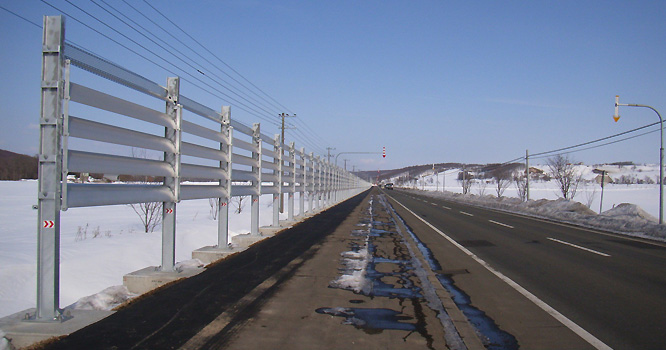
{"x": 98, "y": 245}
{"x": 627, "y": 208}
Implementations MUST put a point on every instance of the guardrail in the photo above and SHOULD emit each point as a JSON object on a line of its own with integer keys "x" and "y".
{"x": 231, "y": 159}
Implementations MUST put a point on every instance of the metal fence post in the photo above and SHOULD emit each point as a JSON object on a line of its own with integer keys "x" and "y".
{"x": 292, "y": 180}
{"x": 278, "y": 185}
{"x": 303, "y": 182}
{"x": 317, "y": 190}
{"x": 223, "y": 208}
{"x": 327, "y": 184}
{"x": 311, "y": 184}
{"x": 173, "y": 110}
{"x": 50, "y": 176}
{"x": 256, "y": 138}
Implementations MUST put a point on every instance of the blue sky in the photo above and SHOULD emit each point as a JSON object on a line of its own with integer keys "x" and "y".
{"x": 432, "y": 81}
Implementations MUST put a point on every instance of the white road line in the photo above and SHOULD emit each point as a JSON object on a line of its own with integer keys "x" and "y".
{"x": 501, "y": 224}
{"x": 433, "y": 203}
{"x": 465, "y": 213}
{"x": 445, "y": 207}
{"x": 577, "y": 246}
{"x": 592, "y": 340}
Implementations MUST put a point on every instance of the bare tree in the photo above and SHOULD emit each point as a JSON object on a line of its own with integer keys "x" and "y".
{"x": 590, "y": 196}
{"x": 566, "y": 175}
{"x": 502, "y": 178}
{"x": 465, "y": 180}
{"x": 482, "y": 188}
{"x": 214, "y": 207}
{"x": 149, "y": 213}
{"x": 238, "y": 203}
{"x": 521, "y": 186}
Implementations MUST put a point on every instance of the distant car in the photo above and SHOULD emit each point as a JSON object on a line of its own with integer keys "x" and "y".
{"x": 388, "y": 186}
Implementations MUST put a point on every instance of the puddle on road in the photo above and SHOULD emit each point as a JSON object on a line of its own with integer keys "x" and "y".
{"x": 371, "y": 320}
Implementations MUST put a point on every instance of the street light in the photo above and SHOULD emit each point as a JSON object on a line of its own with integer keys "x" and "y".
{"x": 661, "y": 151}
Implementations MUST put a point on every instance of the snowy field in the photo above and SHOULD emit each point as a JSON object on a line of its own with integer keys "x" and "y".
{"x": 645, "y": 196}
{"x": 630, "y": 209}
{"x": 99, "y": 244}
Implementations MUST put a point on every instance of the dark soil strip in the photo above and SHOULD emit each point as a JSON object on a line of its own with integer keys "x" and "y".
{"x": 172, "y": 315}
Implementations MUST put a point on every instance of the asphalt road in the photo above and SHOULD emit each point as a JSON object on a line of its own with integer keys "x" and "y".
{"x": 612, "y": 286}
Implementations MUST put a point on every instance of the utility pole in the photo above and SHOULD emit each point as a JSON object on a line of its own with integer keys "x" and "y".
{"x": 283, "y": 115}
{"x": 603, "y": 179}
{"x": 328, "y": 157}
{"x": 527, "y": 175}
{"x": 436, "y": 174}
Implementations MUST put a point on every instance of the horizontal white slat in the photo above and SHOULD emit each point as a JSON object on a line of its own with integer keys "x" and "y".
{"x": 198, "y": 130}
{"x": 269, "y": 190}
{"x": 270, "y": 166}
{"x": 88, "y": 195}
{"x": 97, "y": 99}
{"x": 245, "y": 145}
{"x": 201, "y": 172}
{"x": 201, "y": 192}
{"x": 113, "y": 72}
{"x": 269, "y": 177}
{"x": 87, "y": 162}
{"x": 190, "y": 149}
{"x": 243, "y": 191}
{"x": 240, "y": 175}
{"x": 90, "y": 130}
{"x": 268, "y": 153}
{"x": 238, "y": 159}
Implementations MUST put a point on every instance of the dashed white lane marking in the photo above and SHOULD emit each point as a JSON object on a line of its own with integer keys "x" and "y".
{"x": 591, "y": 339}
{"x": 466, "y": 213}
{"x": 501, "y": 224}
{"x": 445, "y": 207}
{"x": 579, "y": 247}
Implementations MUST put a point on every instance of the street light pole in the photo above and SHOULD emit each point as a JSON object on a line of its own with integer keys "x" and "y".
{"x": 661, "y": 151}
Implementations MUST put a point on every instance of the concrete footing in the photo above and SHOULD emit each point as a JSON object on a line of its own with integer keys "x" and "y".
{"x": 21, "y": 333}
{"x": 149, "y": 278}
{"x": 246, "y": 240}
{"x": 210, "y": 254}
{"x": 270, "y": 231}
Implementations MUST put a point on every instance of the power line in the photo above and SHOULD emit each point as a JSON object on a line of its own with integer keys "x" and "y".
{"x": 163, "y": 59}
{"x": 604, "y": 144}
{"x": 595, "y": 141}
{"x": 219, "y": 59}
{"x": 196, "y": 53}
{"x": 21, "y": 17}
{"x": 173, "y": 49}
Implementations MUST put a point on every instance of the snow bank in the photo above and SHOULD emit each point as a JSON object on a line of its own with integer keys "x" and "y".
{"x": 4, "y": 343}
{"x": 355, "y": 272}
{"x": 104, "y": 300}
{"x": 625, "y": 218}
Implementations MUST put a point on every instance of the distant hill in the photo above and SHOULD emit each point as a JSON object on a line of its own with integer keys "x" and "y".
{"x": 406, "y": 172}
{"x": 14, "y": 166}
